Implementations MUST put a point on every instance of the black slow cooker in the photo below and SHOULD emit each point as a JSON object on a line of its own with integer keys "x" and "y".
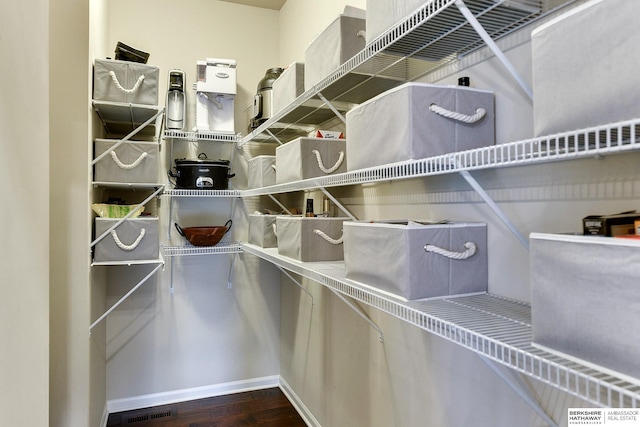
{"x": 201, "y": 174}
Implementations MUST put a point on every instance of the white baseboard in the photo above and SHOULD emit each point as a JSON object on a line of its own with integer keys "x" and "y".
{"x": 297, "y": 403}
{"x": 157, "y": 399}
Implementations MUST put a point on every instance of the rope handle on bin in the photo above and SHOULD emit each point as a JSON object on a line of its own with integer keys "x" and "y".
{"x": 329, "y": 239}
{"x": 275, "y": 229}
{"x": 331, "y": 169}
{"x": 468, "y": 253}
{"x": 119, "y": 86}
{"x": 130, "y": 247}
{"x": 480, "y": 113}
{"x": 121, "y": 165}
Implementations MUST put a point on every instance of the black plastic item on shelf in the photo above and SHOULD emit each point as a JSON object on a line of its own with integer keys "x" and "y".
{"x": 127, "y": 53}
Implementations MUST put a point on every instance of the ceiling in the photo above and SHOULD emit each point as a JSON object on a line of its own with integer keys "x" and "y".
{"x": 266, "y": 4}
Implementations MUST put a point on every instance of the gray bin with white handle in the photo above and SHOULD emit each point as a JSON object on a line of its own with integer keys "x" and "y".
{"x": 305, "y": 158}
{"x": 261, "y": 171}
{"x": 414, "y": 260}
{"x": 418, "y": 120}
{"x": 262, "y": 230}
{"x": 134, "y": 240}
{"x": 124, "y": 81}
{"x": 310, "y": 239}
{"x": 134, "y": 162}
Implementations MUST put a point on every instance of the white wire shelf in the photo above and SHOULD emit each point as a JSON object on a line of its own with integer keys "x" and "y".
{"x": 122, "y": 118}
{"x": 127, "y": 185}
{"x": 494, "y": 327}
{"x": 188, "y": 250}
{"x": 201, "y": 136}
{"x": 433, "y": 36}
{"x": 128, "y": 262}
{"x": 174, "y": 192}
{"x": 590, "y": 142}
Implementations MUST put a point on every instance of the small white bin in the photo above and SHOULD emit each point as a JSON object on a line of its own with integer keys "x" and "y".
{"x": 288, "y": 86}
{"x": 261, "y": 171}
{"x": 262, "y": 230}
{"x": 391, "y": 257}
{"x": 340, "y": 41}
{"x": 133, "y": 240}
{"x": 418, "y": 120}
{"x": 305, "y": 158}
{"x": 124, "y": 81}
{"x": 310, "y": 239}
{"x": 585, "y": 300}
{"x": 585, "y": 67}
{"x": 133, "y": 162}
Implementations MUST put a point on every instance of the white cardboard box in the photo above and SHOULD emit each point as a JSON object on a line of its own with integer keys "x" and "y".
{"x": 401, "y": 124}
{"x": 391, "y": 257}
{"x": 288, "y": 86}
{"x": 585, "y": 299}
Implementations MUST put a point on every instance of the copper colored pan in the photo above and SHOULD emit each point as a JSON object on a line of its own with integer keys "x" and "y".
{"x": 204, "y": 236}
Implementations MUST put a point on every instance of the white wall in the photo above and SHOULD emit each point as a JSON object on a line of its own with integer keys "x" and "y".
{"x": 24, "y": 256}
{"x": 204, "y": 335}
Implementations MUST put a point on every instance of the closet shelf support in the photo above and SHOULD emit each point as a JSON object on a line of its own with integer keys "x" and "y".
{"x": 277, "y": 202}
{"x": 360, "y": 313}
{"x": 477, "y": 26}
{"x": 338, "y": 204}
{"x": 297, "y": 282}
{"x": 334, "y": 109}
{"x": 121, "y": 300}
{"x": 516, "y": 384}
{"x": 494, "y": 207}
{"x": 273, "y": 136}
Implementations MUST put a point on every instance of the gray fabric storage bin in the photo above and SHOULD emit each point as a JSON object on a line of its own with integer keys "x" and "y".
{"x": 134, "y": 247}
{"x": 132, "y": 162}
{"x": 298, "y": 159}
{"x": 124, "y": 81}
{"x": 288, "y": 86}
{"x": 585, "y": 298}
{"x": 400, "y": 125}
{"x": 391, "y": 257}
{"x": 298, "y": 239}
{"x": 585, "y": 67}
{"x": 261, "y": 171}
{"x": 338, "y": 43}
{"x": 261, "y": 230}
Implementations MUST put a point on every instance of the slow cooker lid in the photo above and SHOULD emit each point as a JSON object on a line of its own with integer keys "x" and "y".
{"x": 190, "y": 162}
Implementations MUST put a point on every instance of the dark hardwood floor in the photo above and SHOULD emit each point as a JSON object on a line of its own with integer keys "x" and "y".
{"x": 268, "y": 407}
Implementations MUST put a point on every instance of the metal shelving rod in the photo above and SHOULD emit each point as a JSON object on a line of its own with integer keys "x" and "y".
{"x": 462, "y": 7}
{"x": 494, "y": 207}
{"x": 121, "y": 300}
{"x": 273, "y": 136}
{"x": 520, "y": 388}
{"x": 277, "y": 202}
{"x": 332, "y": 108}
{"x": 338, "y": 204}
{"x": 297, "y": 282}
{"x": 360, "y": 313}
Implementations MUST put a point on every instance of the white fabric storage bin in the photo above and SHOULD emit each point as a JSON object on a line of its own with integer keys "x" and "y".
{"x": 134, "y": 239}
{"x": 340, "y": 41}
{"x": 261, "y": 230}
{"x": 261, "y": 171}
{"x": 585, "y": 67}
{"x": 585, "y": 300}
{"x": 131, "y": 162}
{"x": 124, "y": 81}
{"x": 391, "y": 257}
{"x": 305, "y": 158}
{"x": 412, "y": 122}
{"x": 288, "y": 86}
{"x": 310, "y": 239}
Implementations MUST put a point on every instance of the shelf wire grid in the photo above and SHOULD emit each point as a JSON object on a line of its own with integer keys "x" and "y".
{"x": 495, "y": 327}
{"x": 591, "y": 142}
{"x": 175, "y": 192}
{"x": 201, "y": 136}
{"x": 188, "y": 250}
